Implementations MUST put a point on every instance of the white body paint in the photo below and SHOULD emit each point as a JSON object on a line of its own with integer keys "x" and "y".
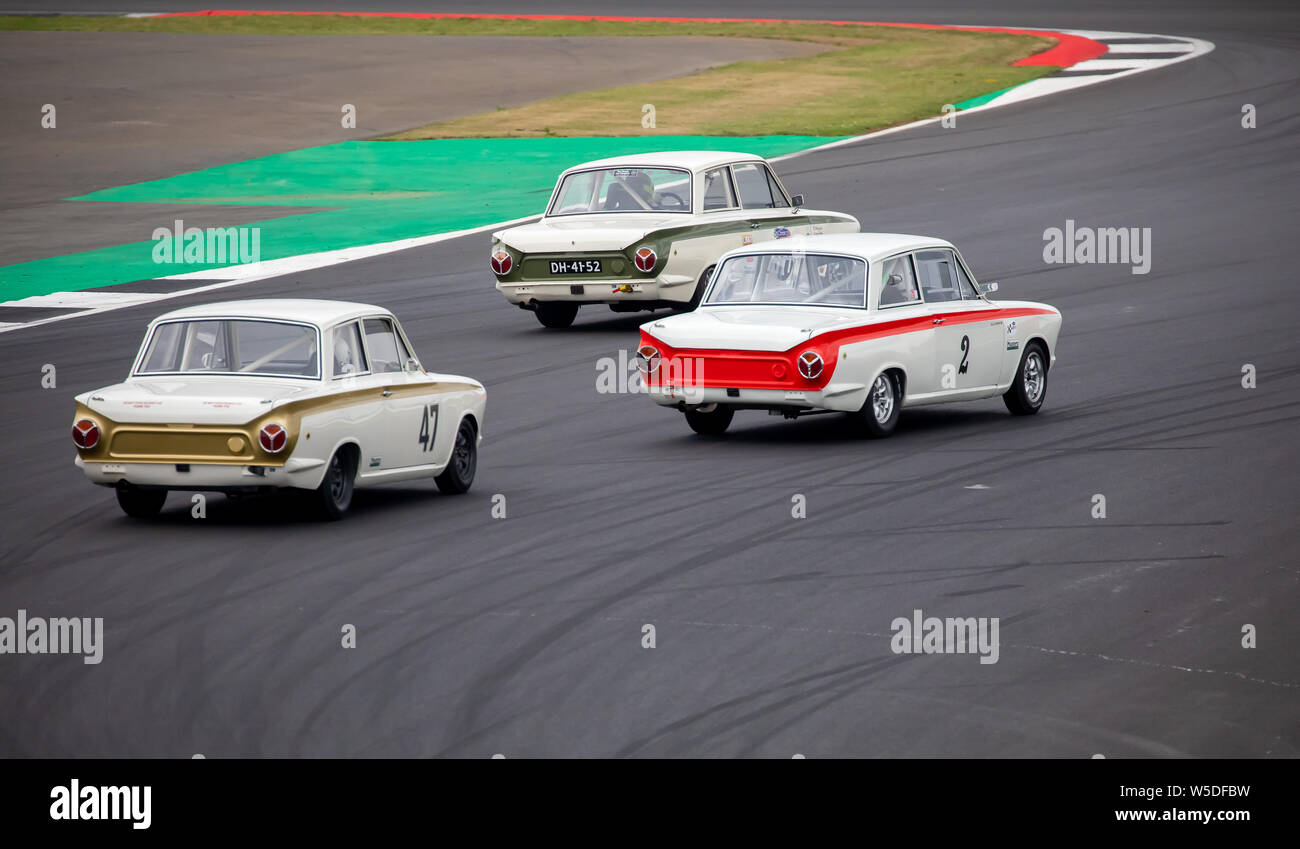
{"x": 701, "y": 238}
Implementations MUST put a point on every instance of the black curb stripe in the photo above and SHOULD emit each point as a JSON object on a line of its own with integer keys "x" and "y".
{"x": 157, "y": 286}
{"x": 1146, "y": 55}
{"x": 1151, "y": 39}
{"x": 1099, "y": 73}
{"x": 23, "y": 315}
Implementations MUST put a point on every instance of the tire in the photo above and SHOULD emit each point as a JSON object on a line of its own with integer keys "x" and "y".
{"x": 459, "y": 474}
{"x": 880, "y": 412}
{"x": 334, "y": 495}
{"x": 700, "y": 286}
{"x": 712, "y": 423}
{"x": 140, "y": 503}
{"x": 1029, "y": 389}
{"x": 556, "y": 314}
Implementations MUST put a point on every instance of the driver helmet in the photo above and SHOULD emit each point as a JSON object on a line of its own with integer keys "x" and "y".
{"x": 642, "y": 186}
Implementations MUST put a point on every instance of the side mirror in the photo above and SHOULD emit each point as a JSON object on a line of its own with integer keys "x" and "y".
{"x": 796, "y": 201}
{"x": 894, "y": 280}
{"x": 988, "y": 288}
{"x": 412, "y": 364}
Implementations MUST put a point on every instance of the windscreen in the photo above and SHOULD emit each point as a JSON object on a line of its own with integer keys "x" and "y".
{"x": 624, "y": 190}
{"x": 232, "y": 346}
{"x": 791, "y": 278}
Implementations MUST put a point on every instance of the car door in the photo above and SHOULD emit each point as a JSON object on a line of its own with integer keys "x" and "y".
{"x": 412, "y": 424}
{"x": 968, "y": 336}
{"x": 910, "y": 340}
{"x": 766, "y": 207}
{"x": 351, "y": 378}
{"x": 722, "y": 224}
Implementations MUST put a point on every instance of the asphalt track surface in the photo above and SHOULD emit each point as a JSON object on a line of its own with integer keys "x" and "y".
{"x": 145, "y": 106}
{"x": 1119, "y": 636}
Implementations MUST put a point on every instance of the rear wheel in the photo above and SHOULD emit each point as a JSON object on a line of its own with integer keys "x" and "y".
{"x": 701, "y": 286}
{"x": 884, "y": 404}
{"x": 334, "y": 495}
{"x": 710, "y": 421}
{"x": 1029, "y": 389}
{"x": 140, "y": 503}
{"x": 459, "y": 474}
{"x": 556, "y": 313}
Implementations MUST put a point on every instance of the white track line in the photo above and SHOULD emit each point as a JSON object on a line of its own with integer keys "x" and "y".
{"x": 1189, "y": 48}
{"x": 83, "y": 300}
{"x": 278, "y": 268}
{"x": 1154, "y": 47}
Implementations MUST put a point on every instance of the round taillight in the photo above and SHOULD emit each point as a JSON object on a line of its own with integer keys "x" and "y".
{"x": 502, "y": 262}
{"x": 645, "y": 259}
{"x": 86, "y": 434}
{"x": 810, "y": 364}
{"x": 273, "y": 438}
{"x": 647, "y": 359}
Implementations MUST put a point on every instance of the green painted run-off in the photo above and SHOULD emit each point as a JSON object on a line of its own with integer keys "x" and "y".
{"x": 376, "y": 191}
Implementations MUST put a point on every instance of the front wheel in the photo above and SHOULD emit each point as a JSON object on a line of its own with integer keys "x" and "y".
{"x": 556, "y": 313}
{"x": 140, "y": 503}
{"x": 711, "y": 421}
{"x": 1029, "y": 389}
{"x": 884, "y": 404}
{"x": 334, "y": 495}
{"x": 459, "y": 474}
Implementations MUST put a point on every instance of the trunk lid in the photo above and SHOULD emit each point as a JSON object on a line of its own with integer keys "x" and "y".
{"x": 614, "y": 231}
{"x": 750, "y": 328}
{"x": 188, "y": 400}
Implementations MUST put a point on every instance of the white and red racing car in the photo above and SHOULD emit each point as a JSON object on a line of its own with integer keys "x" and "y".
{"x": 864, "y": 324}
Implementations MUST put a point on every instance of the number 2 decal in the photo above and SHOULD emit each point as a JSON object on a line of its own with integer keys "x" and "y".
{"x": 965, "y": 351}
{"x": 429, "y": 427}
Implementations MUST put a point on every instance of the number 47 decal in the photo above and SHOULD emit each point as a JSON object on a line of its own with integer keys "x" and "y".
{"x": 429, "y": 427}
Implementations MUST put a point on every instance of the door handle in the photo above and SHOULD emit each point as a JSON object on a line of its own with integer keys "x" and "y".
{"x": 938, "y": 321}
{"x": 386, "y": 392}
{"x": 754, "y": 225}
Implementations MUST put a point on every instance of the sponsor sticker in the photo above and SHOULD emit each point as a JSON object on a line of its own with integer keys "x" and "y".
{"x": 113, "y": 469}
{"x": 781, "y": 232}
{"x": 746, "y": 239}
{"x": 1011, "y": 346}
{"x": 1011, "y": 327}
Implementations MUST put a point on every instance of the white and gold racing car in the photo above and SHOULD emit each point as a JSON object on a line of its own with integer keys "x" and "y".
{"x": 249, "y": 396}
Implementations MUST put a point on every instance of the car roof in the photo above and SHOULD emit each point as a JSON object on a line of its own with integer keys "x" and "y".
{"x": 696, "y": 160}
{"x": 870, "y": 246}
{"x": 318, "y": 312}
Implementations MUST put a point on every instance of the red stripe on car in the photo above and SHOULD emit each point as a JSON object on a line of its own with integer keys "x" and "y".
{"x": 729, "y": 368}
